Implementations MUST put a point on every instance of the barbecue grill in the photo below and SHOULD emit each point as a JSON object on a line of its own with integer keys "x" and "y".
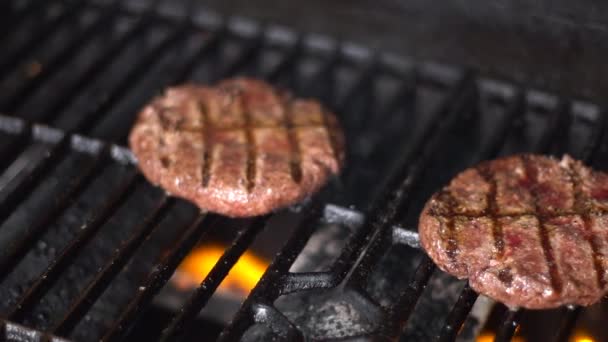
{"x": 88, "y": 248}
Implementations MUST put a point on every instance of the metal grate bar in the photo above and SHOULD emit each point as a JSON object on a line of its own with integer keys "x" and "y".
{"x": 97, "y": 66}
{"x": 276, "y": 321}
{"x": 115, "y": 94}
{"x": 59, "y": 60}
{"x": 409, "y": 297}
{"x": 293, "y": 282}
{"x": 59, "y": 264}
{"x": 104, "y": 277}
{"x": 178, "y": 73}
{"x": 287, "y": 62}
{"x": 24, "y": 9}
{"x": 181, "y": 71}
{"x": 157, "y": 279}
{"x": 558, "y": 123}
{"x": 405, "y": 94}
{"x": 42, "y": 32}
{"x": 21, "y": 247}
{"x": 18, "y": 14}
{"x": 253, "y": 46}
{"x": 322, "y": 77}
{"x": 185, "y": 318}
{"x": 564, "y": 118}
{"x": 601, "y": 149}
{"x": 12, "y": 199}
{"x": 405, "y": 236}
{"x": 593, "y": 148}
{"x": 462, "y": 97}
{"x": 10, "y": 151}
{"x": 515, "y": 109}
{"x": 362, "y": 88}
{"x": 365, "y": 89}
{"x": 458, "y": 315}
{"x": 267, "y": 290}
{"x": 566, "y": 324}
{"x": 364, "y": 82}
{"x": 509, "y": 325}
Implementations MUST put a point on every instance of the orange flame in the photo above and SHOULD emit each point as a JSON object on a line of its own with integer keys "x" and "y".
{"x": 489, "y": 337}
{"x": 242, "y": 278}
{"x": 579, "y": 336}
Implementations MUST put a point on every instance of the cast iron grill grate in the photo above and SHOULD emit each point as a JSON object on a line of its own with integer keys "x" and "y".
{"x": 79, "y": 224}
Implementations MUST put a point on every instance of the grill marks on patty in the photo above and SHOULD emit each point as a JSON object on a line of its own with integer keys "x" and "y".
{"x": 544, "y": 198}
{"x": 240, "y": 148}
{"x": 526, "y": 230}
{"x": 208, "y": 146}
{"x": 492, "y": 212}
{"x": 295, "y": 164}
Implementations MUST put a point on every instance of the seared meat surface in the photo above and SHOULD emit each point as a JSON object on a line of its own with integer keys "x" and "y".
{"x": 240, "y": 148}
{"x": 528, "y": 230}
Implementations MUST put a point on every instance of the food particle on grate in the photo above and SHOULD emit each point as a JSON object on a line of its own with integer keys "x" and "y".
{"x": 240, "y": 148}
{"x": 528, "y": 230}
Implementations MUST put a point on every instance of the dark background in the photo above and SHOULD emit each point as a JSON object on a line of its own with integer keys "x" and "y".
{"x": 558, "y": 45}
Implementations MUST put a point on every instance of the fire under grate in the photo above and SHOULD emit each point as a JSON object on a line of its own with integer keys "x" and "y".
{"x": 87, "y": 245}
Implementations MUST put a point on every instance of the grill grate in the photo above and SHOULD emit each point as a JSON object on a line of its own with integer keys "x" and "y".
{"x": 78, "y": 100}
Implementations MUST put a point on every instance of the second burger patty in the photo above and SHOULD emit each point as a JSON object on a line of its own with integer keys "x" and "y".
{"x": 528, "y": 230}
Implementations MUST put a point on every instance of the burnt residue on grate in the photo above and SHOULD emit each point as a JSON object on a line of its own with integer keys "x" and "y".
{"x": 331, "y": 314}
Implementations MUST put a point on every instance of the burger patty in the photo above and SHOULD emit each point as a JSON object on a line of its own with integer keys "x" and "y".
{"x": 527, "y": 230}
{"x": 240, "y": 148}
